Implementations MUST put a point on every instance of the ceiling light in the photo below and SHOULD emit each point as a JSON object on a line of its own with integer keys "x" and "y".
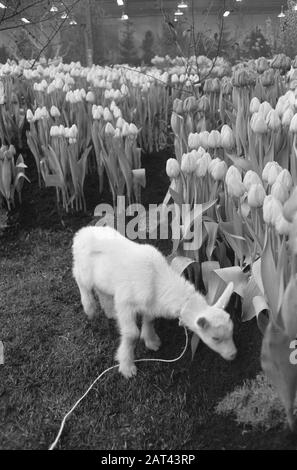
{"x": 2, "y": 5}
{"x": 226, "y": 13}
{"x": 72, "y": 22}
{"x": 124, "y": 17}
{"x": 281, "y": 14}
{"x": 295, "y": 7}
{"x": 54, "y": 9}
{"x": 64, "y": 16}
{"x": 178, "y": 13}
{"x": 24, "y": 20}
{"x": 182, "y": 4}
{"x": 120, "y": 3}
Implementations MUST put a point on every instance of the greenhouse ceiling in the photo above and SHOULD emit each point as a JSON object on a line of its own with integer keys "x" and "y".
{"x": 156, "y": 7}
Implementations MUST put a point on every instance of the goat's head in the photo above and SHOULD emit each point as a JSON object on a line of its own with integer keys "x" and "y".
{"x": 212, "y": 323}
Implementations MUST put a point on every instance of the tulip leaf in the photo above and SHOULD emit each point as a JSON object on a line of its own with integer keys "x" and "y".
{"x": 281, "y": 372}
{"x": 236, "y": 275}
{"x": 214, "y": 285}
{"x": 139, "y": 177}
{"x": 269, "y": 276}
{"x": 289, "y": 308}
{"x": 181, "y": 263}
{"x": 212, "y": 230}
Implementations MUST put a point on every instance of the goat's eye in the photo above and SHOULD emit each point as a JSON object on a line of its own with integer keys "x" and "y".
{"x": 216, "y": 339}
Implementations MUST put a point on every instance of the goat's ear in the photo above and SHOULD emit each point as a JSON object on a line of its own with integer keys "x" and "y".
{"x": 225, "y": 297}
{"x": 203, "y": 323}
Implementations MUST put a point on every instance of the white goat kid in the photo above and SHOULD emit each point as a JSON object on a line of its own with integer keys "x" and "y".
{"x": 132, "y": 279}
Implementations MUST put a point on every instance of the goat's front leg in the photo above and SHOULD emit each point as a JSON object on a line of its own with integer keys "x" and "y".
{"x": 129, "y": 336}
{"x": 148, "y": 334}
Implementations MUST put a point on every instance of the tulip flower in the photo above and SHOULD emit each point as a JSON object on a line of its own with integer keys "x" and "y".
{"x": 254, "y": 105}
{"x": 172, "y": 168}
{"x": 285, "y": 179}
{"x": 188, "y": 163}
{"x": 219, "y": 170}
{"x": 227, "y": 138}
{"x": 279, "y": 191}
{"x": 273, "y": 121}
{"x": 282, "y": 226}
{"x": 250, "y": 178}
{"x": 193, "y": 141}
{"x": 204, "y": 139}
{"x": 214, "y": 139}
{"x": 235, "y": 186}
{"x": 256, "y": 195}
{"x": 271, "y": 172}
{"x": 258, "y": 124}
{"x": 272, "y": 208}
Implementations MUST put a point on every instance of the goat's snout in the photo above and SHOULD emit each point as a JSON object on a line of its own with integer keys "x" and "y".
{"x": 231, "y": 356}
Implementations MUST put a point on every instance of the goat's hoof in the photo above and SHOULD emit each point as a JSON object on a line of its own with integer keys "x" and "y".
{"x": 128, "y": 371}
{"x": 91, "y": 314}
{"x": 153, "y": 344}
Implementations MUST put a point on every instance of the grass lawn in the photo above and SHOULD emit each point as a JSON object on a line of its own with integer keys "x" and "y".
{"x": 52, "y": 354}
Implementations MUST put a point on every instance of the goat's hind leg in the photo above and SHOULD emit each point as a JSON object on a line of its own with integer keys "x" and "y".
{"x": 149, "y": 335}
{"x": 129, "y": 336}
{"x": 88, "y": 300}
{"x": 107, "y": 304}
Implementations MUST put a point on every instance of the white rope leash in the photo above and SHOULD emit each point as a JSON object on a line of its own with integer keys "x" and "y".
{"x": 53, "y": 445}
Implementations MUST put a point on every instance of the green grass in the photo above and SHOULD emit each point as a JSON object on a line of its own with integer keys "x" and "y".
{"x": 52, "y": 354}
{"x": 255, "y": 404}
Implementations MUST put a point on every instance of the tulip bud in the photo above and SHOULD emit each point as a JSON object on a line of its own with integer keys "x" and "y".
{"x": 214, "y": 139}
{"x": 271, "y": 172}
{"x": 133, "y": 129}
{"x": 279, "y": 191}
{"x": 256, "y": 195}
{"x": 54, "y": 131}
{"x": 30, "y": 116}
{"x": 227, "y": 138}
{"x": 258, "y": 124}
{"x": 219, "y": 170}
{"x": 204, "y": 139}
{"x": 125, "y": 129}
{"x": 254, "y": 105}
{"x": 178, "y": 106}
{"x": 264, "y": 109}
{"x": 203, "y": 104}
{"x": 235, "y": 186}
{"x": 273, "y": 121}
{"x": 193, "y": 141}
{"x": 290, "y": 207}
{"x": 90, "y": 97}
{"x": 107, "y": 116}
{"x": 282, "y": 226}
{"x": 202, "y": 166}
{"x": 188, "y": 163}
{"x": 287, "y": 117}
{"x": 172, "y": 168}
{"x": 272, "y": 208}
{"x": 73, "y": 131}
{"x": 109, "y": 129}
{"x": 251, "y": 177}
{"x": 176, "y": 123}
{"x": 285, "y": 179}
{"x": 54, "y": 111}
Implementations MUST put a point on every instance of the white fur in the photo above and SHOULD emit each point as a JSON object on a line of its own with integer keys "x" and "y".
{"x": 132, "y": 279}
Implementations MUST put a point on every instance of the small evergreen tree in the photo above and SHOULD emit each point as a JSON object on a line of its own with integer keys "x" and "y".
{"x": 147, "y": 47}
{"x": 289, "y": 26}
{"x": 128, "y": 52}
{"x": 256, "y": 45}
